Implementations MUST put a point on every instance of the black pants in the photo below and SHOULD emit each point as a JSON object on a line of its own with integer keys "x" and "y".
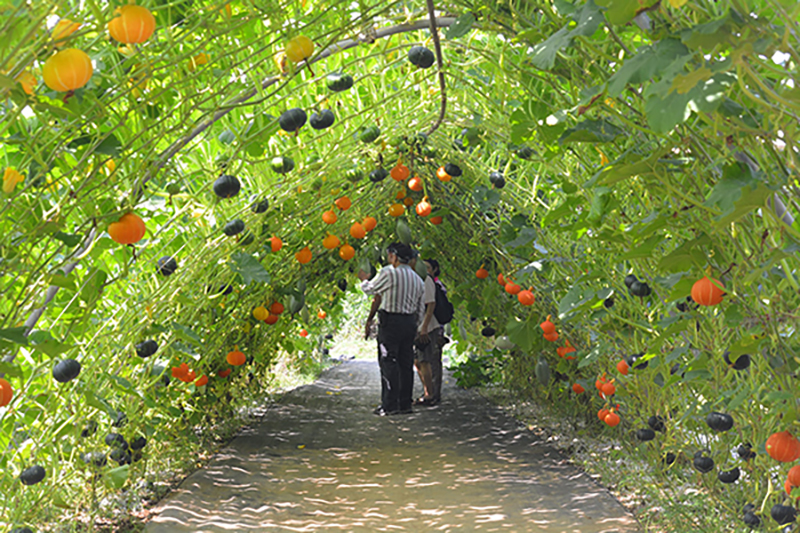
{"x": 396, "y": 358}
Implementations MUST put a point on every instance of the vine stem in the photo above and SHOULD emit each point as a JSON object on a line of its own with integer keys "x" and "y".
{"x": 439, "y": 64}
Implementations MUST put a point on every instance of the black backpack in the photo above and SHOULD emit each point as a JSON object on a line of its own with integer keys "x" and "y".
{"x": 444, "y": 309}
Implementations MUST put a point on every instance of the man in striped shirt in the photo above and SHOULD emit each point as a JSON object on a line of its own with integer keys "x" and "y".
{"x": 401, "y": 311}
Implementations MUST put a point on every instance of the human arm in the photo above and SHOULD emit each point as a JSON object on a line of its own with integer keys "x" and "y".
{"x": 376, "y": 303}
{"x": 423, "y": 330}
{"x": 377, "y": 285}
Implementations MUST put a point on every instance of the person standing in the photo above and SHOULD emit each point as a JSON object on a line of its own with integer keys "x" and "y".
{"x": 400, "y": 290}
{"x": 429, "y": 342}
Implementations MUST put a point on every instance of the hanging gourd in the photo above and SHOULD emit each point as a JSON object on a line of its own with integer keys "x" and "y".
{"x": 423, "y": 208}
{"x": 481, "y": 273}
{"x": 299, "y": 48}
{"x": 303, "y": 256}
{"x": 330, "y": 242}
{"x": 68, "y": 70}
{"x": 132, "y": 24}
{"x": 347, "y": 252}
{"x": 357, "y": 230}
{"x": 526, "y": 297}
{"x": 369, "y": 223}
{"x": 783, "y": 447}
{"x": 707, "y": 292}
{"x": 236, "y": 358}
{"x": 547, "y": 326}
{"x": 415, "y": 184}
{"x": 343, "y": 203}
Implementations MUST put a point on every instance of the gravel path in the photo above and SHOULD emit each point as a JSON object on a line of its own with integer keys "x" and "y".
{"x": 321, "y": 461}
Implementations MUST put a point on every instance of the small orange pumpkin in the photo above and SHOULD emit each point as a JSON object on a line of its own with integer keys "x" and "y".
{"x": 224, "y": 373}
{"x": 129, "y": 229}
{"x": 329, "y": 217}
{"x": 236, "y": 358}
{"x": 68, "y": 70}
{"x": 201, "y": 381}
{"x": 552, "y": 337}
{"x": 501, "y": 280}
{"x": 783, "y": 447}
{"x": 423, "y": 208}
{"x": 415, "y": 184}
{"x": 526, "y": 297}
{"x": 611, "y": 419}
{"x": 608, "y": 389}
{"x": 357, "y": 230}
{"x": 271, "y": 319}
{"x": 396, "y": 210}
{"x": 400, "y": 172}
{"x": 330, "y": 242}
{"x": 547, "y": 326}
{"x": 347, "y": 252}
{"x": 513, "y": 288}
{"x": 260, "y": 313}
{"x": 622, "y": 367}
{"x": 707, "y": 292}
{"x": 794, "y": 476}
{"x": 343, "y": 203}
{"x": 322, "y": 315}
{"x": 369, "y": 223}
{"x": 275, "y": 244}
{"x": 6, "y": 392}
{"x": 303, "y": 256}
{"x": 481, "y": 273}
{"x": 276, "y": 308}
{"x": 303, "y": 333}
{"x": 442, "y": 174}
{"x": 436, "y": 220}
{"x": 132, "y": 24}
{"x": 602, "y": 413}
{"x": 577, "y": 388}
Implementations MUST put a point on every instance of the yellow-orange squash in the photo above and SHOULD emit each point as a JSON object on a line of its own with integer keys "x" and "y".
{"x": 129, "y": 229}
{"x": 369, "y": 223}
{"x": 358, "y": 231}
{"x": 68, "y": 70}
{"x": 396, "y": 210}
{"x": 423, "y": 208}
{"x": 299, "y": 48}
{"x": 303, "y": 256}
{"x": 236, "y": 358}
{"x": 6, "y": 392}
{"x": 132, "y": 24}
{"x": 347, "y": 252}
{"x": 330, "y": 242}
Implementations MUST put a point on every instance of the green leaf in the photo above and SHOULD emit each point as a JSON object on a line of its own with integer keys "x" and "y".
{"x": 10, "y": 369}
{"x": 589, "y": 19}
{"x": 186, "y": 334}
{"x": 67, "y": 238}
{"x": 779, "y": 396}
{"x": 739, "y": 399}
{"x": 592, "y": 131}
{"x": 7, "y": 82}
{"x": 109, "y": 146}
{"x": 65, "y": 282}
{"x": 116, "y": 477}
{"x": 525, "y": 236}
{"x": 648, "y": 61}
{"x": 623, "y": 11}
{"x": 573, "y": 300}
{"x": 249, "y": 268}
{"x": 644, "y": 249}
{"x": 707, "y": 35}
{"x": 544, "y": 54}
{"x": 683, "y": 257}
{"x": 461, "y": 26}
{"x": 614, "y": 173}
{"x": 593, "y": 355}
{"x": 522, "y": 333}
{"x": 15, "y": 335}
{"x": 44, "y": 342}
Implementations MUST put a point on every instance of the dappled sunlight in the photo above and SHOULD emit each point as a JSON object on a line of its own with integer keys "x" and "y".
{"x": 319, "y": 462}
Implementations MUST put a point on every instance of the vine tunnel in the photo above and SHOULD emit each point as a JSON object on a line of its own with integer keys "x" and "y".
{"x": 566, "y": 146}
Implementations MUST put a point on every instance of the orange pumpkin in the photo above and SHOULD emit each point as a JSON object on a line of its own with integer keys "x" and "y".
{"x": 343, "y": 203}
{"x": 236, "y": 358}
{"x": 481, "y": 273}
{"x": 224, "y": 373}
{"x": 442, "y": 174}
{"x": 400, "y": 172}
{"x": 783, "y": 447}
{"x": 577, "y": 388}
{"x": 203, "y": 380}
{"x": 347, "y": 252}
{"x": 552, "y": 337}
{"x": 501, "y": 280}
{"x": 271, "y": 319}
{"x": 303, "y": 333}
{"x": 513, "y": 288}
{"x": 547, "y": 326}
{"x": 303, "y": 256}
{"x": 276, "y": 308}
{"x": 566, "y": 349}
{"x": 329, "y": 217}
{"x": 436, "y": 220}
{"x": 357, "y": 230}
{"x": 526, "y": 297}
{"x": 64, "y": 29}
{"x": 707, "y": 292}
{"x": 415, "y": 184}
{"x": 68, "y": 70}
{"x": 602, "y": 413}
{"x": 369, "y": 223}
{"x": 129, "y": 229}
{"x": 330, "y": 242}
{"x": 322, "y": 315}
{"x": 132, "y": 24}
{"x": 180, "y": 371}
{"x": 396, "y": 210}
{"x": 622, "y": 367}
{"x": 6, "y": 392}
{"x": 408, "y": 201}
{"x": 794, "y": 476}
{"x": 423, "y": 208}
{"x": 608, "y": 389}
{"x": 612, "y": 419}
{"x": 275, "y": 244}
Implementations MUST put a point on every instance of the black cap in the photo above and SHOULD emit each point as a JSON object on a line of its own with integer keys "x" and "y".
{"x": 403, "y": 251}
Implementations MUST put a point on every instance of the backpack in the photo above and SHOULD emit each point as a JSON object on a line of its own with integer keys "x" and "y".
{"x": 444, "y": 309}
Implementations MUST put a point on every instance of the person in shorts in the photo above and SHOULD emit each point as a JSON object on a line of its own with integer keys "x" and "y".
{"x": 429, "y": 342}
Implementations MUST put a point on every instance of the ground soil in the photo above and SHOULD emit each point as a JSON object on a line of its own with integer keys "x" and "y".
{"x": 320, "y": 460}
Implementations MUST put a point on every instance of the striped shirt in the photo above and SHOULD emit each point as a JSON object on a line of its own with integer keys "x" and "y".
{"x": 400, "y": 288}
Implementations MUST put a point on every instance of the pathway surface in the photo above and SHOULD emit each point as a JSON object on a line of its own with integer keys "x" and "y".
{"x": 321, "y": 461}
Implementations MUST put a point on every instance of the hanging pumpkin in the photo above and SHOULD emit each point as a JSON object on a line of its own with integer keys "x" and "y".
{"x": 329, "y": 217}
{"x": 526, "y": 297}
{"x": 132, "y": 24}
{"x": 347, "y": 252}
{"x": 423, "y": 208}
{"x": 707, "y": 292}
{"x": 68, "y": 70}
{"x": 400, "y": 172}
{"x": 547, "y": 326}
{"x": 343, "y": 203}
{"x": 415, "y": 184}
{"x": 276, "y": 308}
{"x": 436, "y": 220}
{"x": 552, "y": 337}
{"x": 275, "y": 244}
{"x": 577, "y": 388}
{"x": 201, "y": 381}
{"x": 783, "y": 447}
{"x": 357, "y": 230}
{"x": 501, "y": 279}
{"x": 260, "y": 313}
{"x": 330, "y": 242}
{"x": 369, "y": 223}
{"x": 622, "y": 367}
{"x": 235, "y": 358}
{"x": 481, "y": 273}
{"x": 303, "y": 256}
{"x": 396, "y": 210}
{"x": 271, "y": 319}
{"x": 611, "y": 419}
{"x": 512, "y": 288}
{"x": 299, "y": 48}
{"x": 6, "y": 392}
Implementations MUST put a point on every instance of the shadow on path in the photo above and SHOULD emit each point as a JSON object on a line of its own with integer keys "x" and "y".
{"x": 320, "y": 460}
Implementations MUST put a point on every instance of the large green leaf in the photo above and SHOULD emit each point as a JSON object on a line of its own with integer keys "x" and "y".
{"x": 591, "y": 131}
{"x": 523, "y": 333}
{"x": 648, "y": 61}
{"x": 461, "y": 26}
{"x": 623, "y": 11}
{"x": 249, "y": 268}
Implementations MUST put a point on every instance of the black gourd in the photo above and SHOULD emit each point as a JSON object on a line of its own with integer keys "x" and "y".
{"x": 227, "y": 186}
{"x": 783, "y": 514}
{"x": 167, "y": 265}
{"x": 742, "y": 362}
{"x": 656, "y": 423}
{"x": 379, "y": 174}
{"x": 338, "y": 81}
{"x": 420, "y": 56}
{"x": 745, "y": 451}
{"x": 488, "y": 331}
{"x": 729, "y": 476}
{"x": 32, "y": 475}
{"x": 282, "y": 164}
{"x": 453, "y": 170}
{"x": 369, "y": 134}
{"x": 292, "y": 120}
{"x": 146, "y": 348}
{"x": 629, "y": 279}
{"x": 524, "y": 152}
{"x": 138, "y": 443}
{"x": 719, "y": 421}
{"x": 640, "y": 289}
{"x": 234, "y": 227}
{"x": 115, "y": 440}
{"x": 702, "y": 463}
{"x": 645, "y": 434}
{"x": 66, "y": 370}
{"x": 259, "y": 206}
{"x": 323, "y": 119}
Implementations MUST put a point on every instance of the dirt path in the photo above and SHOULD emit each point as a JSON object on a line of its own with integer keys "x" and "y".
{"x": 320, "y": 460}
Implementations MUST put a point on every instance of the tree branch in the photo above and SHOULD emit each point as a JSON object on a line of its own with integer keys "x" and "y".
{"x": 439, "y": 64}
